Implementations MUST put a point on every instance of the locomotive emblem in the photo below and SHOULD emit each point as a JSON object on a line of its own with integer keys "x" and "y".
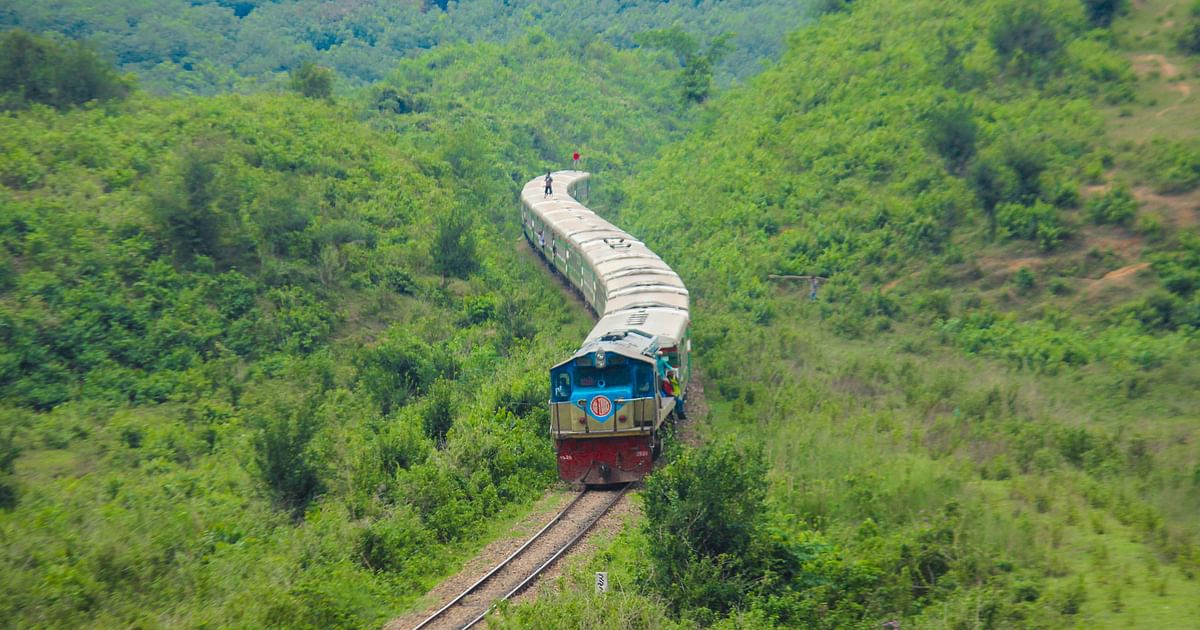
{"x": 601, "y": 407}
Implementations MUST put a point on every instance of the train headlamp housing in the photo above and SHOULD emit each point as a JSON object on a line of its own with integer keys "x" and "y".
{"x": 601, "y": 359}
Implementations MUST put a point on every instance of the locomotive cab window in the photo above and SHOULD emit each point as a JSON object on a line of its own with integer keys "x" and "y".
{"x": 644, "y": 381}
{"x": 561, "y": 386}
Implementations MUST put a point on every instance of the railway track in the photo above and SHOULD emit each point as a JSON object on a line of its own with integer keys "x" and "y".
{"x": 523, "y": 566}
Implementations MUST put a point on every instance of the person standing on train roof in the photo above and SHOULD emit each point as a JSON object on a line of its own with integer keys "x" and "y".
{"x": 575, "y": 160}
{"x": 549, "y": 187}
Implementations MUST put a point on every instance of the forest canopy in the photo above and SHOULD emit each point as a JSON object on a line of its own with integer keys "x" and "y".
{"x": 53, "y": 72}
{"x": 207, "y": 46}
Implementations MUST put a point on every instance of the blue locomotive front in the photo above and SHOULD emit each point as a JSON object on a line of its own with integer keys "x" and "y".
{"x": 608, "y": 391}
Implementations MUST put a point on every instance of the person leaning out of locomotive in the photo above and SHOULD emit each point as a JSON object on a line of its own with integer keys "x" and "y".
{"x": 666, "y": 374}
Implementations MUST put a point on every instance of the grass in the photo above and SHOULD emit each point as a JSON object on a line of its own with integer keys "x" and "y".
{"x": 853, "y": 437}
{"x": 1168, "y": 103}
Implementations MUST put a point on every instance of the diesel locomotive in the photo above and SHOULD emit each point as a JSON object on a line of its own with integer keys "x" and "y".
{"x": 609, "y": 400}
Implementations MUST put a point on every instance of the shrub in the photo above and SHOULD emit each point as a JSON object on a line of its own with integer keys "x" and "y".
{"x": 1171, "y": 166}
{"x": 392, "y": 543}
{"x": 1039, "y": 222}
{"x": 453, "y": 248}
{"x": 395, "y": 370}
{"x": 1026, "y": 38}
{"x": 8, "y": 456}
{"x": 438, "y": 414}
{"x": 283, "y": 456}
{"x": 194, "y": 203}
{"x": 1115, "y": 207}
{"x": 703, "y": 512}
{"x": 1024, "y": 279}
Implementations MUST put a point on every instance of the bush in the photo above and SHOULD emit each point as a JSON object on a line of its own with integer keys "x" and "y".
{"x": 1039, "y": 222}
{"x": 1026, "y": 38}
{"x": 283, "y": 456}
{"x": 395, "y": 370}
{"x": 1171, "y": 166}
{"x": 1115, "y": 207}
{"x": 703, "y": 512}
{"x": 453, "y": 248}
{"x": 8, "y": 456}
{"x": 1024, "y": 279}
{"x": 438, "y": 413}
{"x": 952, "y": 132}
{"x": 194, "y": 203}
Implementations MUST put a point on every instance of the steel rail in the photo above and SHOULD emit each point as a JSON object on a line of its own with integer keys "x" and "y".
{"x": 503, "y": 563}
{"x": 571, "y": 543}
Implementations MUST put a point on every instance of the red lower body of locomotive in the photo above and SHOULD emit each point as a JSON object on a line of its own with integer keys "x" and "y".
{"x": 596, "y": 461}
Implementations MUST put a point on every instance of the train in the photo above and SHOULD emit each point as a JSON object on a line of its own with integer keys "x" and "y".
{"x": 610, "y": 400}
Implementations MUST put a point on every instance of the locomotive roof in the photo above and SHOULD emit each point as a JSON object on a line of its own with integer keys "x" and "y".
{"x": 644, "y": 295}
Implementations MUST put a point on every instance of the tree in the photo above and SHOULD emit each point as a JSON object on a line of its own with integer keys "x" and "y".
{"x": 1101, "y": 13}
{"x": 192, "y": 201}
{"x": 697, "y": 66}
{"x": 454, "y": 244}
{"x": 703, "y": 513}
{"x": 952, "y": 132}
{"x": 38, "y": 70}
{"x": 1189, "y": 37}
{"x": 312, "y": 80}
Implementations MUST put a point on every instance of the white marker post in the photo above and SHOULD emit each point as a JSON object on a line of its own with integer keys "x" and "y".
{"x": 602, "y": 581}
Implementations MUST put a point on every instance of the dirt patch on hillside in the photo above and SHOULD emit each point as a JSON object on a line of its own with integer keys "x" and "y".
{"x": 1125, "y": 246}
{"x": 1117, "y": 278}
{"x": 1182, "y": 211}
{"x": 1125, "y": 271}
{"x": 895, "y": 283}
{"x": 1143, "y": 65}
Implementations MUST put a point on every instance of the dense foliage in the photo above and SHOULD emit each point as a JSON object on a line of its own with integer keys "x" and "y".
{"x": 38, "y": 70}
{"x": 273, "y": 360}
{"x": 204, "y": 46}
{"x": 981, "y": 414}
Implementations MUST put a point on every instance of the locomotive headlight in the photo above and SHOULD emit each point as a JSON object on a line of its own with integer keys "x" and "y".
{"x": 600, "y": 358}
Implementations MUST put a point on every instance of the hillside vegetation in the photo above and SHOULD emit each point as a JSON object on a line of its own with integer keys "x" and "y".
{"x": 208, "y": 46}
{"x": 987, "y": 417}
{"x": 275, "y": 361}
{"x": 278, "y": 359}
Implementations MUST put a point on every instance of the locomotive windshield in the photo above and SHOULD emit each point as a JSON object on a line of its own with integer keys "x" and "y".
{"x": 607, "y": 377}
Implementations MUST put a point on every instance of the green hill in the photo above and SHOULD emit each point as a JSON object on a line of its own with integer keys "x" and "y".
{"x": 987, "y": 416}
{"x": 273, "y": 361}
